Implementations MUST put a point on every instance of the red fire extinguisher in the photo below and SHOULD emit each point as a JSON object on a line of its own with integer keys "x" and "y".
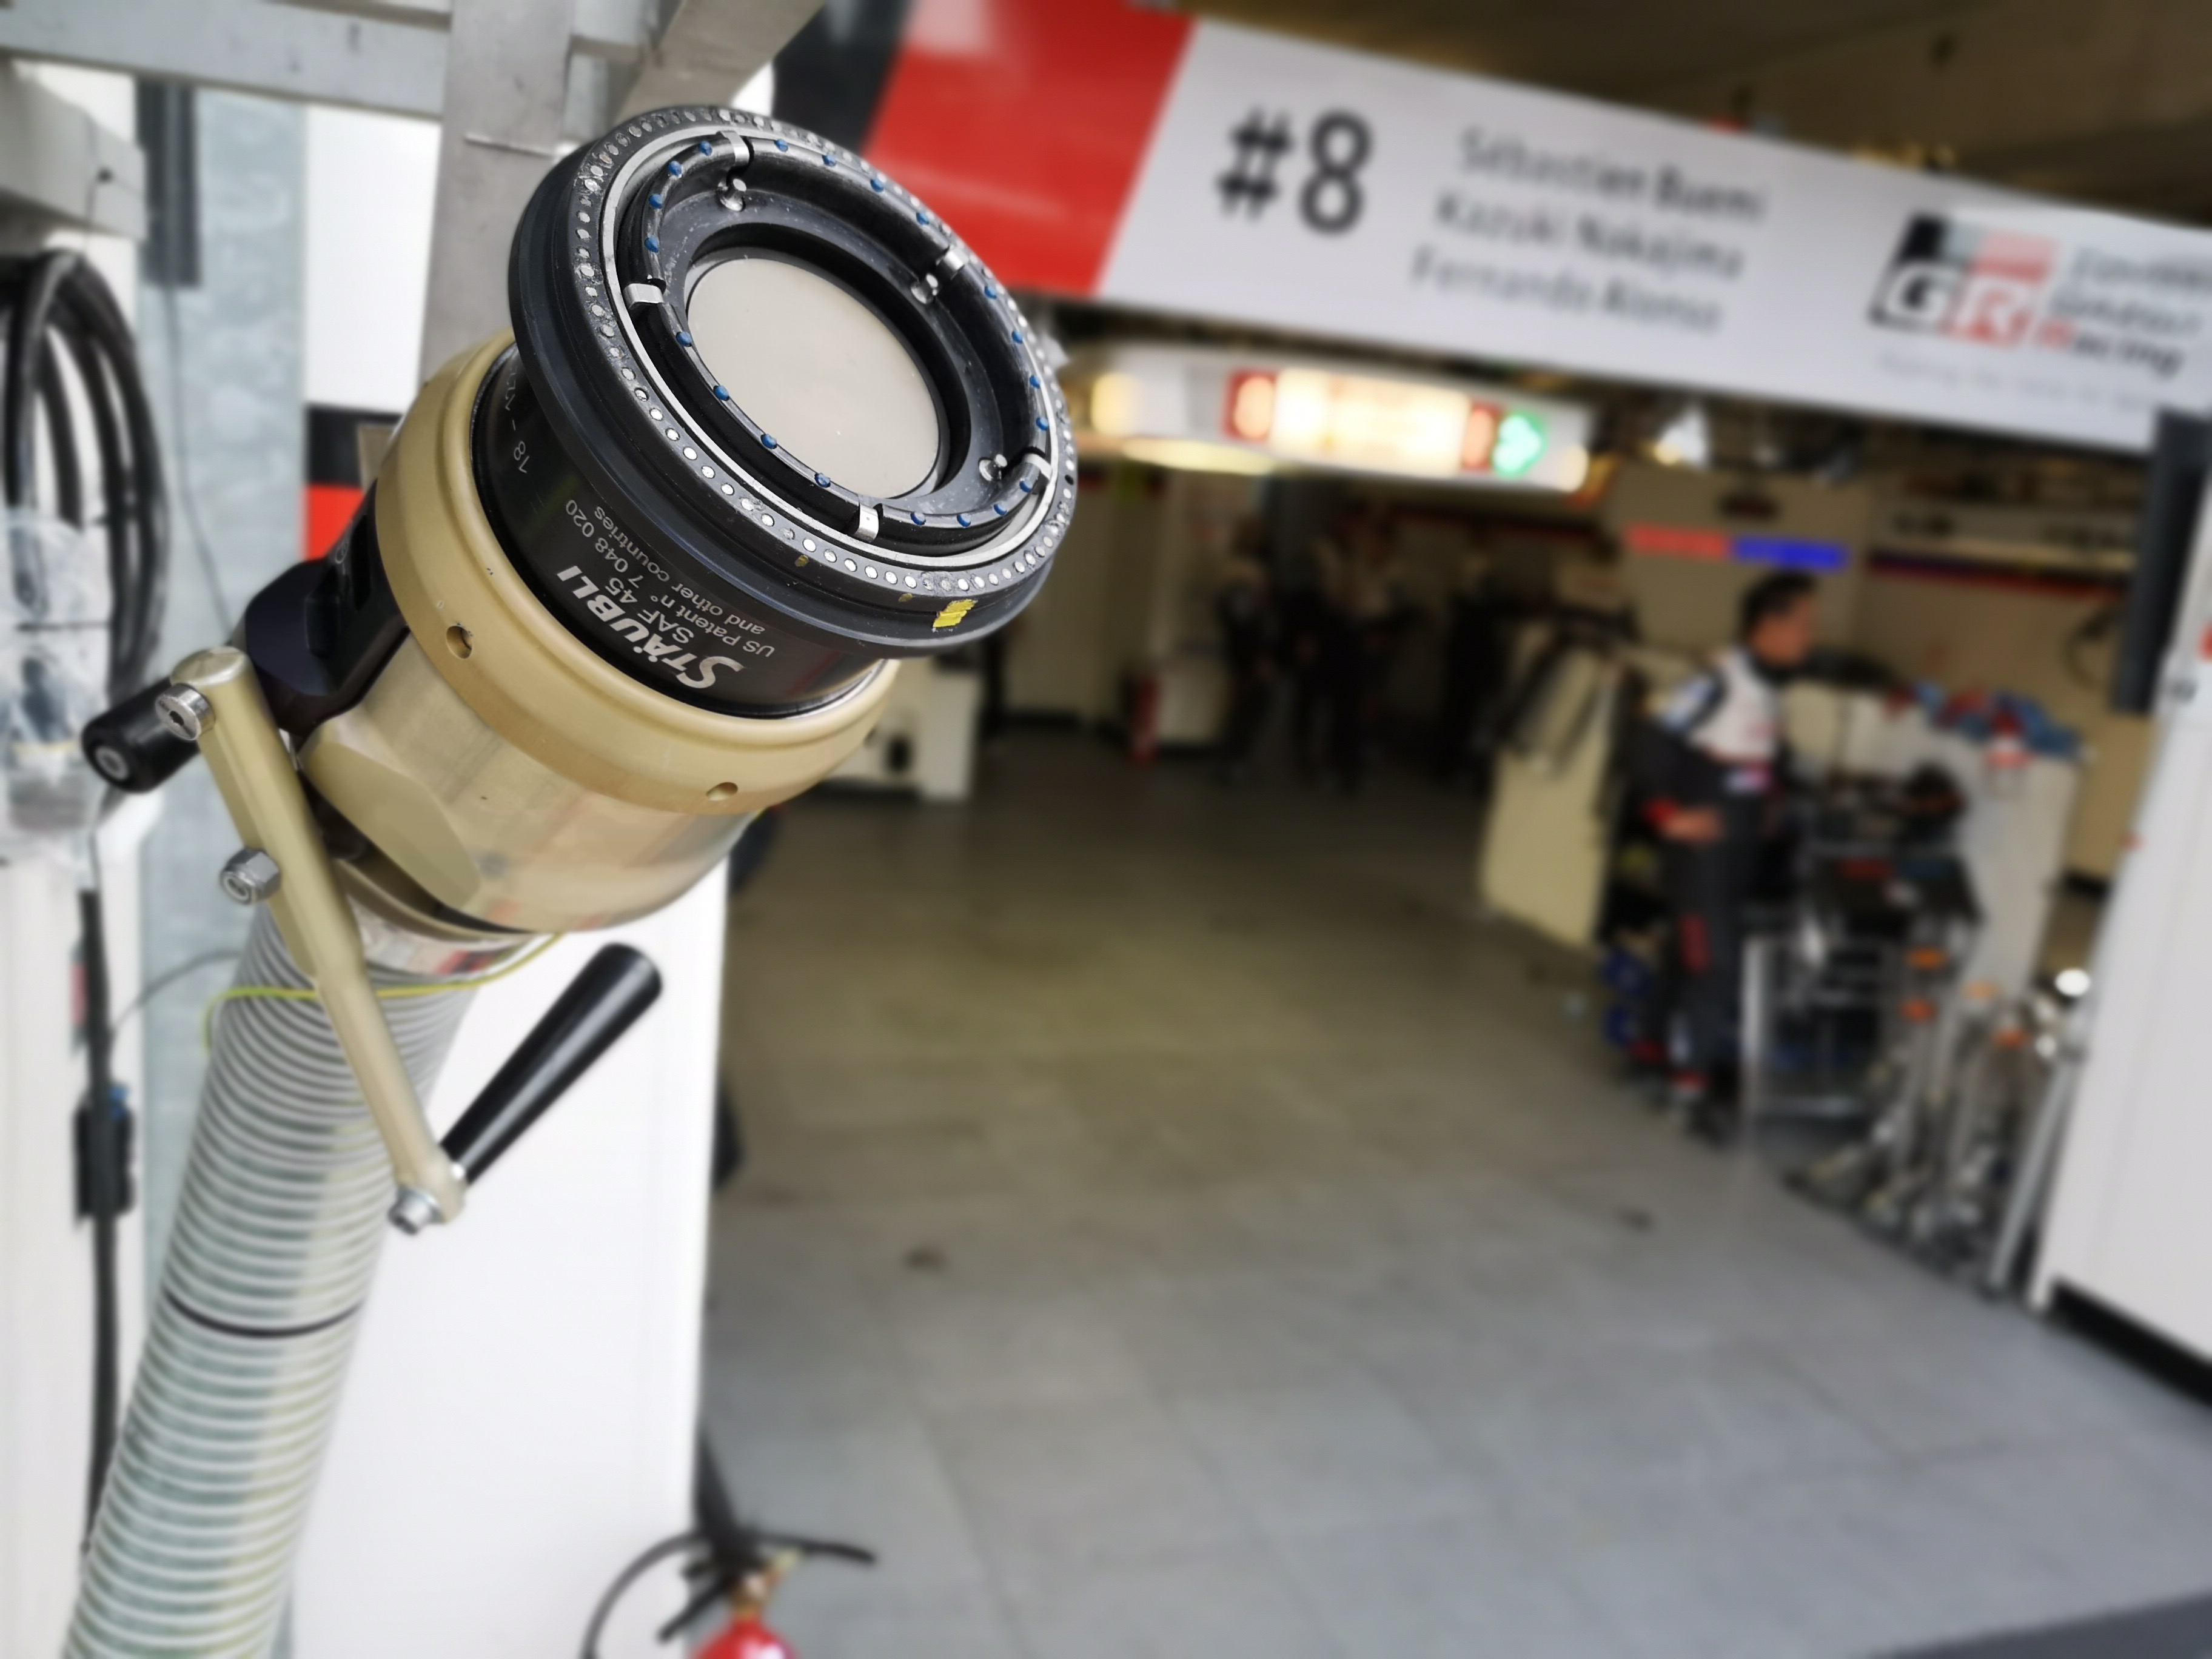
{"x": 725, "y": 1559}
{"x": 746, "y": 1576}
{"x": 748, "y": 1636}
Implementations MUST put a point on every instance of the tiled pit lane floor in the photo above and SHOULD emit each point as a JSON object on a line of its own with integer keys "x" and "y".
{"x": 1177, "y": 1226}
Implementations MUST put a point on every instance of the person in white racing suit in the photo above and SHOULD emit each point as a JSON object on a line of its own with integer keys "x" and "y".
{"x": 1711, "y": 770}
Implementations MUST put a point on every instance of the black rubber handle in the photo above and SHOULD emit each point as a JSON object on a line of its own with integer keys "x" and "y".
{"x": 129, "y": 747}
{"x": 600, "y": 1004}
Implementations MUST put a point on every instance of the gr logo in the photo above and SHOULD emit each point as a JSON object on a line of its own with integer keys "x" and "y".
{"x": 1965, "y": 282}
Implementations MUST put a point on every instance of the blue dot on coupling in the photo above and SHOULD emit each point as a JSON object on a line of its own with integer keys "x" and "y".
{"x": 1036, "y": 384}
{"x": 1044, "y": 425}
{"x": 706, "y": 148}
{"x": 876, "y": 185}
{"x": 829, "y": 161}
{"x": 921, "y": 215}
{"x": 917, "y": 518}
{"x": 1015, "y": 335}
{"x": 723, "y": 392}
{"x": 681, "y": 338}
{"x": 652, "y": 244}
{"x": 655, "y": 200}
{"x": 782, "y": 144}
{"x": 963, "y": 519}
{"x": 767, "y": 442}
{"x": 998, "y": 508}
{"x": 821, "y": 479}
{"x": 675, "y": 169}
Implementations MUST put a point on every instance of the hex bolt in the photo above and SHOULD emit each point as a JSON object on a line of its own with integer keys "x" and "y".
{"x": 185, "y": 712}
{"x": 251, "y": 877}
{"x": 411, "y": 1211}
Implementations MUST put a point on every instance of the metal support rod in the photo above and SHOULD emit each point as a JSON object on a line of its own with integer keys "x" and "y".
{"x": 1755, "y": 1039}
{"x": 2031, "y": 1181}
{"x": 507, "y": 82}
{"x": 231, "y": 722}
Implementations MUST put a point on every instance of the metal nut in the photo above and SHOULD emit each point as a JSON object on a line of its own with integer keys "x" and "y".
{"x": 413, "y": 1210}
{"x": 251, "y": 877}
{"x": 185, "y": 712}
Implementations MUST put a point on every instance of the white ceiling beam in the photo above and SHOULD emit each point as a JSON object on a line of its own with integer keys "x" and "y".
{"x": 620, "y": 30}
{"x": 367, "y": 54}
{"x": 247, "y": 45}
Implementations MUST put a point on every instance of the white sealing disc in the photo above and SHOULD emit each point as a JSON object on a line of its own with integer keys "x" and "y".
{"x": 817, "y": 371}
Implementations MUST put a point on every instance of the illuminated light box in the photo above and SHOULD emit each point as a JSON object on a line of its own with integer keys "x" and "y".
{"x": 1667, "y": 541}
{"x": 1237, "y": 411}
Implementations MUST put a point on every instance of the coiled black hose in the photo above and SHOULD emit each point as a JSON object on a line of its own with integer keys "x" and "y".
{"x": 58, "y": 308}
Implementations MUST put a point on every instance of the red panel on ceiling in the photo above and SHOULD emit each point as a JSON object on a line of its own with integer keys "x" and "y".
{"x": 1023, "y": 122}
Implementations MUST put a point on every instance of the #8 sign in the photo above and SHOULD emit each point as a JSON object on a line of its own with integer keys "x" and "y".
{"x": 1339, "y": 194}
{"x": 1134, "y": 155}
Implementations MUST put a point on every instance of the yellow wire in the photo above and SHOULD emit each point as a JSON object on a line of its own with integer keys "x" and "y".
{"x": 384, "y": 992}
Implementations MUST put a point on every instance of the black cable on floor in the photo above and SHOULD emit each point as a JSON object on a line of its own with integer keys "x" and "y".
{"x": 683, "y": 1544}
{"x": 727, "y": 1550}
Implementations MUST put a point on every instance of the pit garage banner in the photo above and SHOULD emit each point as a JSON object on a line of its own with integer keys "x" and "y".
{"x": 1140, "y": 158}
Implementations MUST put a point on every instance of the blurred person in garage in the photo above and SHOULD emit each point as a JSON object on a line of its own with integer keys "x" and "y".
{"x": 1712, "y": 773}
{"x": 1244, "y": 610}
{"x": 1477, "y": 652}
{"x": 1310, "y": 644}
{"x": 1369, "y": 616}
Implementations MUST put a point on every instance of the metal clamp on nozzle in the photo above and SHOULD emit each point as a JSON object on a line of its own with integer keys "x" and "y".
{"x": 217, "y": 702}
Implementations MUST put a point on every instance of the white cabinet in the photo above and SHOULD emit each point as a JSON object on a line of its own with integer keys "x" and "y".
{"x": 2131, "y": 1223}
